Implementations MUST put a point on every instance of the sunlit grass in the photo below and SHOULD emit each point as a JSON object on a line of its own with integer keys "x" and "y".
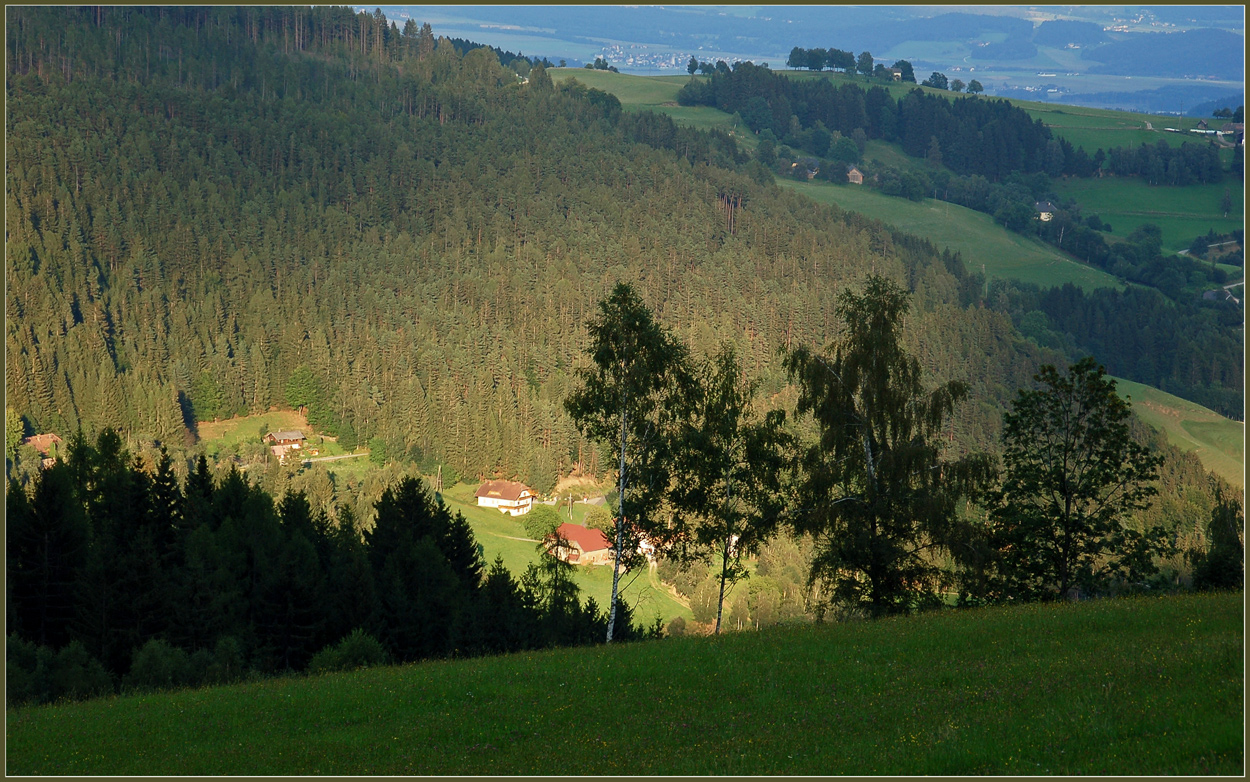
{"x": 1143, "y": 686}
{"x": 974, "y": 235}
{"x": 1219, "y": 443}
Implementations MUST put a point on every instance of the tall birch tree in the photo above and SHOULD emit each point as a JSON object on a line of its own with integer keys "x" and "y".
{"x": 876, "y": 492}
{"x": 628, "y": 399}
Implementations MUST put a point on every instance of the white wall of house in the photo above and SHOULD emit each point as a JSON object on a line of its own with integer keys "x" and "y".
{"x": 517, "y": 507}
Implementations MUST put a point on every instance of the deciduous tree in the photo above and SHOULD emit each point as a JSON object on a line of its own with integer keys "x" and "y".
{"x": 730, "y": 469}
{"x": 1071, "y": 476}
{"x": 627, "y": 399}
{"x": 876, "y": 492}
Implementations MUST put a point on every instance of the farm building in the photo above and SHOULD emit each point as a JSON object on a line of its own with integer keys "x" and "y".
{"x": 854, "y": 176}
{"x": 282, "y": 443}
{"x": 46, "y": 445}
{"x": 1045, "y": 210}
{"x": 581, "y": 545}
{"x": 508, "y": 496}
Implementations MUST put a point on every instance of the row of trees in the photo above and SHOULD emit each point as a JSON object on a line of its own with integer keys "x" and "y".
{"x": 135, "y": 569}
{"x": 938, "y": 81}
{"x": 835, "y": 59}
{"x": 991, "y": 138}
{"x": 988, "y": 138}
{"x": 897, "y": 519}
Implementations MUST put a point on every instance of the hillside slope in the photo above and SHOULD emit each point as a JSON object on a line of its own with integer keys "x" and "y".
{"x": 407, "y": 242}
{"x": 1121, "y": 687}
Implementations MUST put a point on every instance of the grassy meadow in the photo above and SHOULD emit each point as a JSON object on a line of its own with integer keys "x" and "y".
{"x": 1218, "y": 442}
{"x": 223, "y": 437}
{"x": 499, "y": 534}
{"x": 1180, "y": 212}
{"x": 1107, "y": 128}
{"x": 972, "y": 234}
{"x": 1142, "y": 686}
{"x": 504, "y": 535}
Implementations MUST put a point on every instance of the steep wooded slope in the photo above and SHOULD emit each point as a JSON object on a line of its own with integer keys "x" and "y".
{"x": 205, "y": 204}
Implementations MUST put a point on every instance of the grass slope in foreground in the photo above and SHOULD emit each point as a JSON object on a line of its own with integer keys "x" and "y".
{"x": 1218, "y": 442}
{"x": 973, "y": 235}
{"x": 1135, "y": 686}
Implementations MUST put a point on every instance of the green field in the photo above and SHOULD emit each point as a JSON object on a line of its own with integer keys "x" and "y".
{"x": 1144, "y": 686}
{"x": 498, "y": 533}
{"x": 972, "y": 234}
{"x": 223, "y": 437}
{"x": 1218, "y": 442}
{"x": 658, "y": 94}
{"x": 1106, "y": 128}
{"x": 1180, "y": 212}
{"x": 504, "y": 535}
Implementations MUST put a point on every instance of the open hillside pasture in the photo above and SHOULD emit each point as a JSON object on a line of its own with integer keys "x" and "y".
{"x": 1107, "y": 128}
{"x": 1180, "y": 212}
{"x": 502, "y": 535}
{"x": 222, "y": 438}
{"x": 1144, "y": 686}
{"x": 1218, "y": 442}
{"x": 658, "y": 94}
{"x": 972, "y": 234}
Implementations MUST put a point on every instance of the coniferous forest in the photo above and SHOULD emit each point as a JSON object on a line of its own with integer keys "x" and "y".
{"x": 213, "y": 212}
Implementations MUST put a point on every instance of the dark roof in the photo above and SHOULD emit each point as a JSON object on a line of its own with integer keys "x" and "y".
{"x": 504, "y": 490}
{"x": 587, "y": 540}
{"x": 1045, "y": 206}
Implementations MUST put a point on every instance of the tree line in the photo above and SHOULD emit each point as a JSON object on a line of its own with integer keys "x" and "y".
{"x": 121, "y": 576}
{"x": 898, "y": 519}
{"x": 990, "y": 138}
{"x": 217, "y": 211}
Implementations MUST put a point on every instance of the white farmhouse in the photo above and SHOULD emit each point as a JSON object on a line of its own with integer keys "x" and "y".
{"x": 508, "y": 496}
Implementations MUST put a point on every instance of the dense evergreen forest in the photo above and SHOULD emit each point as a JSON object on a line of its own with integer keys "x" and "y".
{"x": 216, "y": 211}
{"x": 212, "y": 211}
{"x": 121, "y": 576}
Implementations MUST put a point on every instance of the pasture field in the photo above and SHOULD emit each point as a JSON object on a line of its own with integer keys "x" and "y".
{"x": 1137, "y": 686}
{"x": 658, "y": 94}
{"x": 1218, "y": 442}
{"x": 973, "y": 235}
{"x": 1107, "y": 128}
{"x": 223, "y": 437}
{"x": 504, "y": 535}
{"x": 1180, "y": 212}
{"x": 231, "y": 431}
{"x": 630, "y": 90}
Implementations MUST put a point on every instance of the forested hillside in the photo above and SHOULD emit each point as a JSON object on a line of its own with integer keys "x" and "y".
{"x": 212, "y": 211}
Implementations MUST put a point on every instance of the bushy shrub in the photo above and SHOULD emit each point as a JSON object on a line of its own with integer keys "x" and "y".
{"x": 228, "y": 662}
{"x": 76, "y": 675}
{"x": 158, "y": 665}
{"x": 677, "y": 627}
{"x": 357, "y": 650}
{"x": 27, "y": 668}
{"x": 541, "y": 521}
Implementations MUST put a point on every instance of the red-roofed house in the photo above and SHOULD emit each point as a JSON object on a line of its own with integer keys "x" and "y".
{"x": 582, "y": 546}
{"x": 508, "y": 496}
{"x": 46, "y": 444}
